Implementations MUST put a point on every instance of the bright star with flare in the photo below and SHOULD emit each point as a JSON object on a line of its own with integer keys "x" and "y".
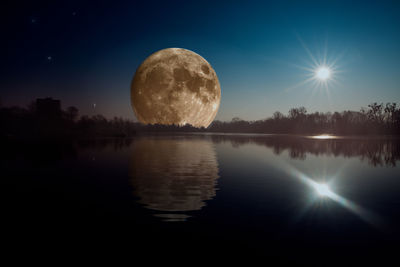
{"x": 323, "y": 73}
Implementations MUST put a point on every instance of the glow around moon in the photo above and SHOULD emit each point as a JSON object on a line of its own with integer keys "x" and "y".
{"x": 175, "y": 86}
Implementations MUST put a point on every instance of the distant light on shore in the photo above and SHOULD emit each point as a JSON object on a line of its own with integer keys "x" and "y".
{"x": 324, "y": 136}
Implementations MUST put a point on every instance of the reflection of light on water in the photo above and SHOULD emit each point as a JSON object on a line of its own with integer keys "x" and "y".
{"x": 170, "y": 217}
{"x": 323, "y": 136}
{"x": 173, "y": 175}
{"x": 323, "y": 190}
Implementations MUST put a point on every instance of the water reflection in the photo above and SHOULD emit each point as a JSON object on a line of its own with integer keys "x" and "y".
{"x": 324, "y": 136}
{"x": 376, "y": 151}
{"x": 323, "y": 190}
{"x": 173, "y": 175}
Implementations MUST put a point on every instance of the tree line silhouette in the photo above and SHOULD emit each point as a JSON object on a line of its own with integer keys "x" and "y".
{"x": 48, "y": 120}
{"x": 376, "y": 119}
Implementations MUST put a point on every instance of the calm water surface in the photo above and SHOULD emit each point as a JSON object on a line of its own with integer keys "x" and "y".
{"x": 278, "y": 196}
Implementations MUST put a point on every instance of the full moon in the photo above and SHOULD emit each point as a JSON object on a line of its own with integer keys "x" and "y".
{"x": 175, "y": 86}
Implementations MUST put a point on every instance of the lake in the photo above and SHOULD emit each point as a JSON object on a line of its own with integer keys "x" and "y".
{"x": 287, "y": 198}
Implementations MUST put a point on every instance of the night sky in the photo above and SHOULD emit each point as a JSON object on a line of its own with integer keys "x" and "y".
{"x": 87, "y": 52}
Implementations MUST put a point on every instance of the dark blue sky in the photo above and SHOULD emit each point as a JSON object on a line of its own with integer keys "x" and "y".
{"x": 258, "y": 49}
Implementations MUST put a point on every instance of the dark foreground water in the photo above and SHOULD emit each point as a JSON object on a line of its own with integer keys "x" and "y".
{"x": 279, "y": 198}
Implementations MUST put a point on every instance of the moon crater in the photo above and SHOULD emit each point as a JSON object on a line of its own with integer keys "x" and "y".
{"x": 175, "y": 86}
